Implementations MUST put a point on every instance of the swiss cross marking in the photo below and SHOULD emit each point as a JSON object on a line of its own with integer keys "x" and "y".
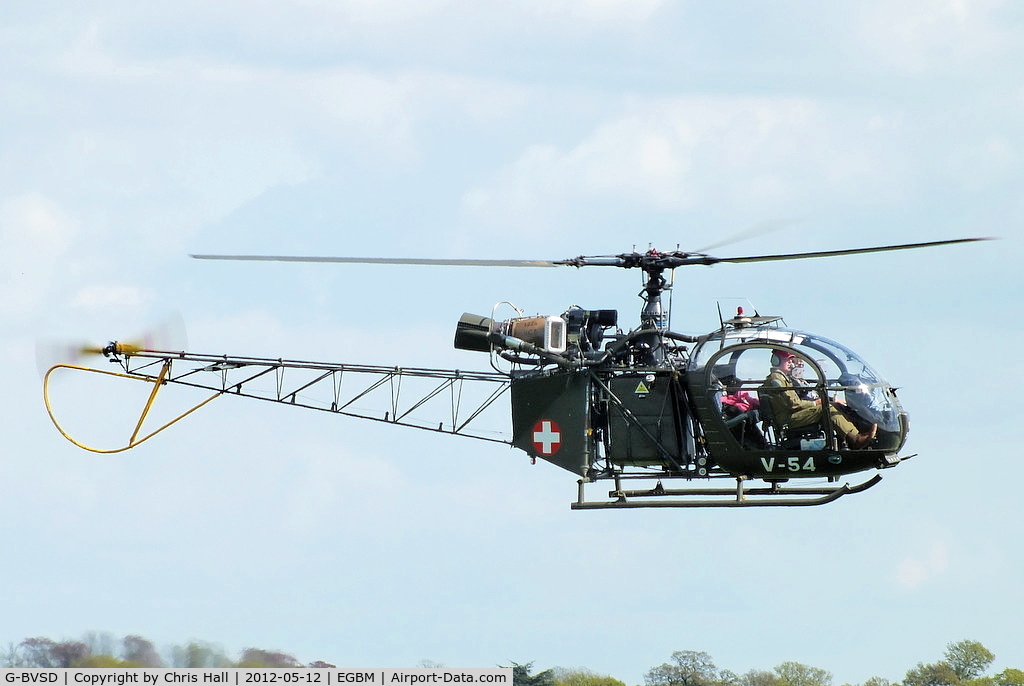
{"x": 547, "y": 437}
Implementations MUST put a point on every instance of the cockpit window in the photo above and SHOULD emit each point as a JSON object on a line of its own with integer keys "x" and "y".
{"x": 735, "y": 366}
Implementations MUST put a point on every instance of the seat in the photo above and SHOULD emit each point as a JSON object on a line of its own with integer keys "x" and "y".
{"x": 743, "y": 426}
{"x": 783, "y": 436}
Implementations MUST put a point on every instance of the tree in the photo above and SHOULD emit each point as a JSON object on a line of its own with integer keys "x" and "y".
{"x": 256, "y": 657}
{"x": 197, "y": 654}
{"x": 1009, "y": 677}
{"x": 583, "y": 677}
{"x": 757, "y": 677}
{"x": 37, "y": 652}
{"x": 798, "y": 674}
{"x": 727, "y": 677}
{"x": 521, "y": 676}
{"x": 688, "y": 668}
{"x": 936, "y": 674}
{"x": 12, "y": 657}
{"x": 140, "y": 651}
{"x": 45, "y": 653}
{"x": 68, "y": 653}
{"x": 968, "y": 659}
{"x": 104, "y": 662}
{"x": 99, "y": 642}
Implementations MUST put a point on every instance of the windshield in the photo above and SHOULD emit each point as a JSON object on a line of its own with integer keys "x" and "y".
{"x": 739, "y": 360}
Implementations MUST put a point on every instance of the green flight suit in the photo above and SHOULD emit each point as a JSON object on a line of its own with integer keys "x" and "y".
{"x": 789, "y": 409}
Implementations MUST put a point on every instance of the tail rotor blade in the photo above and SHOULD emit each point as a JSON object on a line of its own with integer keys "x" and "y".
{"x": 167, "y": 334}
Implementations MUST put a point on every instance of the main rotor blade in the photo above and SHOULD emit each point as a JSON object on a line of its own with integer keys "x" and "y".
{"x": 759, "y": 229}
{"x": 381, "y": 260}
{"x": 837, "y": 253}
{"x": 669, "y": 260}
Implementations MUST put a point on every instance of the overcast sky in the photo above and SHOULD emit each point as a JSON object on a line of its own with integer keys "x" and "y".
{"x": 133, "y": 134}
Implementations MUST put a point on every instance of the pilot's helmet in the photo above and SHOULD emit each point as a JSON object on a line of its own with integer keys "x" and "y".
{"x": 780, "y": 356}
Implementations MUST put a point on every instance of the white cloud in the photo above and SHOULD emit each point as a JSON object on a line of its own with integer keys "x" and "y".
{"x": 603, "y": 11}
{"x": 680, "y": 153}
{"x": 34, "y": 234}
{"x": 97, "y": 296}
{"x": 919, "y": 36}
{"x": 33, "y": 223}
{"x": 385, "y": 12}
{"x": 913, "y": 571}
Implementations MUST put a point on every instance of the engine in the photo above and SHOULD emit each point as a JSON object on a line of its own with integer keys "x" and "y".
{"x": 574, "y": 335}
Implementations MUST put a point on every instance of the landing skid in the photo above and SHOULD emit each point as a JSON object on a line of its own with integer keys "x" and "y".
{"x": 741, "y": 496}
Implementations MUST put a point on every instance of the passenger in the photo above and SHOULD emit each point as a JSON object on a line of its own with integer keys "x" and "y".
{"x": 738, "y": 410}
{"x": 736, "y": 399}
{"x": 789, "y": 409}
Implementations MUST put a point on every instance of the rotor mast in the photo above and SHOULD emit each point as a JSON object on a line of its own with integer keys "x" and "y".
{"x": 650, "y": 337}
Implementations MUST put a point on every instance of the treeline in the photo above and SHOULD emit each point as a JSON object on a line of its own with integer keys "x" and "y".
{"x": 102, "y": 650}
{"x": 965, "y": 663}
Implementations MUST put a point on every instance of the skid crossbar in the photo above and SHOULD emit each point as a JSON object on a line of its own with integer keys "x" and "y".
{"x": 742, "y": 496}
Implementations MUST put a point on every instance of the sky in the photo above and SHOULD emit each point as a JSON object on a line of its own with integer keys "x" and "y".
{"x": 133, "y": 134}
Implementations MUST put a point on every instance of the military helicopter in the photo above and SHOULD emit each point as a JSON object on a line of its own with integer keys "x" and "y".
{"x": 667, "y": 419}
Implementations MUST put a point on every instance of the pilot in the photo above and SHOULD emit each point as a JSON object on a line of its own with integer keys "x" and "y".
{"x": 789, "y": 409}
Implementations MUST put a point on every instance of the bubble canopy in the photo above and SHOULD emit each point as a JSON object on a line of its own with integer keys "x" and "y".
{"x": 738, "y": 359}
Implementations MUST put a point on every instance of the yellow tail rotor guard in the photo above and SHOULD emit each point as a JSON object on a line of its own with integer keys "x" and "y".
{"x": 135, "y": 438}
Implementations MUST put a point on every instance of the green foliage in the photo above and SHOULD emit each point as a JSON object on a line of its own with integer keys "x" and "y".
{"x": 1009, "y": 677}
{"x": 935, "y": 674}
{"x": 255, "y": 657}
{"x": 688, "y": 668}
{"x": 521, "y": 676}
{"x": 757, "y": 677}
{"x": 583, "y": 677}
{"x": 968, "y": 659}
{"x": 727, "y": 677}
{"x": 104, "y": 662}
{"x": 197, "y": 654}
{"x": 797, "y": 674}
{"x": 965, "y": 664}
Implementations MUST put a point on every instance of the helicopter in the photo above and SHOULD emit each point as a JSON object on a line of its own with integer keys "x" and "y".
{"x": 751, "y": 414}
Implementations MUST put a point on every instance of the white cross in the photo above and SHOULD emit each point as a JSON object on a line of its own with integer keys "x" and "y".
{"x": 547, "y": 437}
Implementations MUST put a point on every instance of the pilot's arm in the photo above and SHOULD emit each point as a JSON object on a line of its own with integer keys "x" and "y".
{"x": 785, "y": 397}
